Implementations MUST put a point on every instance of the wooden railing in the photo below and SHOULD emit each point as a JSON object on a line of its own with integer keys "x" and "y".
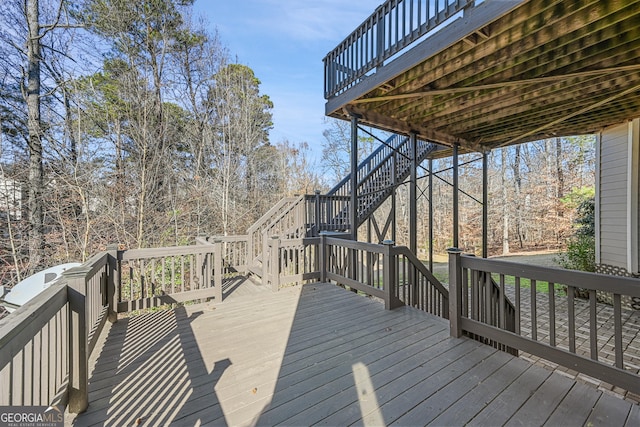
{"x": 291, "y": 261}
{"x": 417, "y": 287}
{"x": 379, "y": 156}
{"x": 379, "y": 174}
{"x": 390, "y": 29}
{"x": 34, "y": 351}
{"x": 327, "y": 213}
{"x": 388, "y": 272}
{"x": 257, "y": 230}
{"x": 587, "y": 336}
{"x": 45, "y": 344}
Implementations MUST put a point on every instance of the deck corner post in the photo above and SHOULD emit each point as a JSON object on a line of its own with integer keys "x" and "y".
{"x": 274, "y": 264}
{"x": 322, "y": 257}
{"x": 78, "y": 353}
{"x": 455, "y": 291}
{"x": 391, "y": 299}
{"x": 217, "y": 269}
{"x": 113, "y": 282}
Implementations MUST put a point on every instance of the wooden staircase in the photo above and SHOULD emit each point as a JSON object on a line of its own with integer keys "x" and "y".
{"x": 308, "y": 215}
{"x": 388, "y": 166}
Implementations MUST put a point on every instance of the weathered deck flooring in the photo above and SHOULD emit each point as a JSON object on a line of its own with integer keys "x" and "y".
{"x": 321, "y": 355}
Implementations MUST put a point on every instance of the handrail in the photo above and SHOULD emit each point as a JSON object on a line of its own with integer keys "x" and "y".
{"x": 267, "y": 217}
{"x": 390, "y": 29}
{"x": 403, "y": 250}
{"x": 388, "y": 145}
{"x": 550, "y": 324}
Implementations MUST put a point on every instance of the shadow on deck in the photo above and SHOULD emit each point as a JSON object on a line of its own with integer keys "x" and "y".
{"x": 320, "y": 355}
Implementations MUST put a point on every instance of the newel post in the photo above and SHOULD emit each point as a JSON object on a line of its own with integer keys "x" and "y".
{"x": 217, "y": 270}
{"x": 113, "y": 282}
{"x": 455, "y": 292}
{"x": 389, "y": 276}
{"x": 78, "y": 352}
{"x": 274, "y": 264}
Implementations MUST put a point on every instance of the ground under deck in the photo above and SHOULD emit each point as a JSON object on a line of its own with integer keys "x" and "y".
{"x": 321, "y": 355}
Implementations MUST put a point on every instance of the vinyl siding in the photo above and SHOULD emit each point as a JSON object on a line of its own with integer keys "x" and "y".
{"x": 613, "y": 195}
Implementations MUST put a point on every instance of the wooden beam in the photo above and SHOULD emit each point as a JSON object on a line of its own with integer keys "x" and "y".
{"x": 568, "y": 116}
{"x": 571, "y": 51}
{"x": 530, "y": 56}
{"x": 525, "y": 107}
{"x": 499, "y": 85}
{"x": 384, "y": 122}
{"x": 460, "y": 56}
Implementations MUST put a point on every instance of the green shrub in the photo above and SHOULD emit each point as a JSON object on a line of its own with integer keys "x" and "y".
{"x": 580, "y": 255}
{"x": 581, "y": 248}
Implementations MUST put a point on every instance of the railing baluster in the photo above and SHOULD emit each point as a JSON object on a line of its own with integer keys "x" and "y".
{"x": 617, "y": 317}
{"x": 534, "y": 315}
{"x": 552, "y": 314}
{"x": 593, "y": 324}
{"x": 571, "y": 313}
{"x": 501, "y": 303}
{"x": 518, "y": 304}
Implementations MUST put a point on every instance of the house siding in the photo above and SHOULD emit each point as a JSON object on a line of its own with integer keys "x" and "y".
{"x": 613, "y": 175}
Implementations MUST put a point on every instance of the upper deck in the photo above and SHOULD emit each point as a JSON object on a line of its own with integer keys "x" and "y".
{"x": 490, "y": 73}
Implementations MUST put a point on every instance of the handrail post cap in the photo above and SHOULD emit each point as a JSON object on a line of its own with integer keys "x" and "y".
{"x": 454, "y": 250}
{"x": 388, "y": 242}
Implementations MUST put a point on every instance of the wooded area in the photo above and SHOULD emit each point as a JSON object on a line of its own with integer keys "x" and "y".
{"x": 128, "y": 122}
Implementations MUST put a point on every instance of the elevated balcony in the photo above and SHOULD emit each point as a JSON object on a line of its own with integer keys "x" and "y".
{"x": 485, "y": 74}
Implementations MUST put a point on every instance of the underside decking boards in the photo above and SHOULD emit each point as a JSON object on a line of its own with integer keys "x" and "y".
{"x": 321, "y": 355}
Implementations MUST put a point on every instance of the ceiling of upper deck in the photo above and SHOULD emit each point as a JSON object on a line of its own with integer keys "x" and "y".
{"x": 544, "y": 68}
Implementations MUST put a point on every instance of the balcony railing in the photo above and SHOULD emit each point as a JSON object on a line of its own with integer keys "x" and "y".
{"x": 390, "y": 29}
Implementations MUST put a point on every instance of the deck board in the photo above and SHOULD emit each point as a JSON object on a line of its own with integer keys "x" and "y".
{"x": 321, "y": 355}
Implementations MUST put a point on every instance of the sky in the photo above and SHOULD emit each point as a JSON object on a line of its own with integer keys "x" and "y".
{"x": 284, "y": 42}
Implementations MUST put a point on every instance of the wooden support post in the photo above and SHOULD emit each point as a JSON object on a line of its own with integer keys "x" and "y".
{"x": 274, "y": 264}
{"x": 217, "y": 270}
{"x": 413, "y": 195}
{"x": 389, "y": 277}
{"x": 456, "y": 212}
{"x": 322, "y": 257}
{"x": 78, "y": 355}
{"x": 113, "y": 282}
{"x": 430, "y": 214}
{"x": 394, "y": 180}
{"x": 485, "y": 204}
{"x": 455, "y": 292}
{"x": 354, "y": 178}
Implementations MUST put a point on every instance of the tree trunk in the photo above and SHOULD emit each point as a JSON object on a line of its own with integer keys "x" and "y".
{"x": 36, "y": 171}
{"x": 518, "y": 186}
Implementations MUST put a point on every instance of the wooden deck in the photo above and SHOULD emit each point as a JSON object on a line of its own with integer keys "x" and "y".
{"x": 318, "y": 354}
